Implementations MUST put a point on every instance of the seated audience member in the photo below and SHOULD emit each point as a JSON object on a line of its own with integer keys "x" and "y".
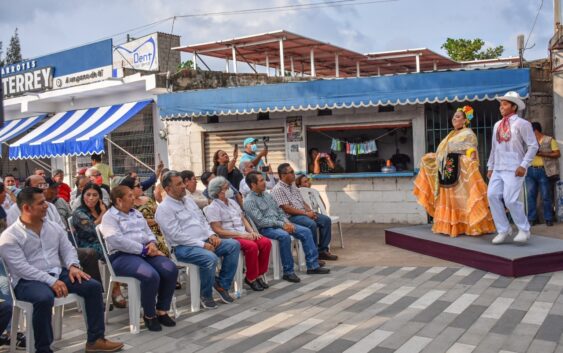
{"x": 227, "y": 221}
{"x": 226, "y": 167}
{"x": 190, "y": 182}
{"x": 302, "y": 181}
{"x": 64, "y": 190}
{"x": 272, "y": 223}
{"x": 146, "y": 184}
{"x": 188, "y": 233}
{"x": 133, "y": 252}
{"x": 11, "y": 191}
{"x": 40, "y": 172}
{"x": 159, "y": 193}
{"x": 75, "y": 195}
{"x": 37, "y": 181}
{"x": 320, "y": 162}
{"x": 247, "y": 167}
{"x": 206, "y": 177}
{"x": 289, "y": 198}
{"x": 147, "y": 207}
{"x": 51, "y": 195}
{"x": 44, "y": 265}
{"x": 84, "y": 221}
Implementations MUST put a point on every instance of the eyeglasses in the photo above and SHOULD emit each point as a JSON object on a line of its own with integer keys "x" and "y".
{"x": 43, "y": 186}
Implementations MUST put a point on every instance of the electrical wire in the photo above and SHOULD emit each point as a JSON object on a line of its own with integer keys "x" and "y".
{"x": 532, "y": 29}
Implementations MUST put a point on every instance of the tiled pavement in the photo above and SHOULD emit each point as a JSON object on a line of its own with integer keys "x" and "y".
{"x": 364, "y": 309}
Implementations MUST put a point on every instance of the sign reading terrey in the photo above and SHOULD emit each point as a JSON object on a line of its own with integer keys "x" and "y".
{"x": 294, "y": 128}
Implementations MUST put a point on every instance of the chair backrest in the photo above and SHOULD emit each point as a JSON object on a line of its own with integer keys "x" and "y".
{"x": 104, "y": 250}
{"x": 72, "y": 232}
{"x": 9, "y": 279}
{"x": 313, "y": 198}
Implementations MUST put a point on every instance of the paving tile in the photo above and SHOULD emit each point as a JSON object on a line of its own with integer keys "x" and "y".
{"x": 551, "y": 328}
{"x": 414, "y": 345}
{"x": 387, "y": 271}
{"x": 521, "y": 338}
{"x": 501, "y": 282}
{"x": 432, "y": 311}
{"x": 473, "y": 277}
{"x": 460, "y": 348}
{"x": 468, "y": 316}
{"x": 537, "y": 283}
{"x": 397, "y": 306}
{"x": 369, "y": 342}
{"x": 444, "y": 340}
{"x": 491, "y": 343}
{"x": 508, "y": 321}
{"x": 539, "y": 346}
{"x": 415, "y": 272}
{"x": 537, "y": 313}
{"x": 443, "y": 275}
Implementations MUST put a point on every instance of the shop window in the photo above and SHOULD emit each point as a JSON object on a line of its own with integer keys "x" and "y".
{"x": 360, "y": 149}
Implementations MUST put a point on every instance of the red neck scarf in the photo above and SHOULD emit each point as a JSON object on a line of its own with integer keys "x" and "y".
{"x": 503, "y": 131}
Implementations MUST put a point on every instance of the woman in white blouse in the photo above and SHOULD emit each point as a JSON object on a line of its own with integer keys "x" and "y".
{"x": 227, "y": 221}
{"x": 133, "y": 252}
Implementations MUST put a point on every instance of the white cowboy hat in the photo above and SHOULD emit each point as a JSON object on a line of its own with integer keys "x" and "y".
{"x": 513, "y": 97}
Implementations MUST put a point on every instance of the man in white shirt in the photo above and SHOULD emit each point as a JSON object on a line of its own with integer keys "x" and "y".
{"x": 44, "y": 265}
{"x": 247, "y": 167}
{"x": 514, "y": 146}
{"x": 189, "y": 235}
{"x": 37, "y": 181}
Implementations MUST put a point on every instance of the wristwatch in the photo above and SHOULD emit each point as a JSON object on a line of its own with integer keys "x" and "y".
{"x": 77, "y": 266}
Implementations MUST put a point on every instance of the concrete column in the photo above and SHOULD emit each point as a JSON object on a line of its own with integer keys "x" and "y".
{"x": 313, "y": 73}
{"x": 282, "y": 59}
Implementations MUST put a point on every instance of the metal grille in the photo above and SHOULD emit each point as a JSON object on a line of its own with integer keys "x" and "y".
{"x": 136, "y": 136}
{"x": 226, "y": 141}
{"x": 438, "y": 124}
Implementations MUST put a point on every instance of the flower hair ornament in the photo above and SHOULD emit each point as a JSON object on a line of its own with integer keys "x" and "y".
{"x": 468, "y": 111}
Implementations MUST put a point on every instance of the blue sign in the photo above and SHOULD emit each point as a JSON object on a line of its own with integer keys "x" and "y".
{"x": 83, "y": 58}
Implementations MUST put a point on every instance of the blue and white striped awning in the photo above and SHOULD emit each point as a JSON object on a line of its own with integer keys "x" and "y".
{"x": 14, "y": 128}
{"x": 74, "y": 133}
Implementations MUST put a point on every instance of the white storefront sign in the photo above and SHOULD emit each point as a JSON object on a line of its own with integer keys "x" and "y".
{"x": 140, "y": 54}
{"x": 82, "y": 78}
{"x": 29, "y": 81}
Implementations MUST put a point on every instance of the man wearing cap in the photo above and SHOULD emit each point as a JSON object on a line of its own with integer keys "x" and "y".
{"x": 250, "y": 149}
{"x": 514, "y": 146}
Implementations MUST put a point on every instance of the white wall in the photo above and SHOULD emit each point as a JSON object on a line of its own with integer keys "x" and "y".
{"x": 380, "y": 200}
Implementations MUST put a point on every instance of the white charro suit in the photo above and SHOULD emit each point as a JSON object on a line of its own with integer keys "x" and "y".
{"x": 504, "y": 185}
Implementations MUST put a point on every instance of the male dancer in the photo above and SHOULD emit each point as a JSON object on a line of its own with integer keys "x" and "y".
{"x": 513, "y": 148}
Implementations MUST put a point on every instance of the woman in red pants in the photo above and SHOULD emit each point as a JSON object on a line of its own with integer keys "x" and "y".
{"x": 227, "y": 221}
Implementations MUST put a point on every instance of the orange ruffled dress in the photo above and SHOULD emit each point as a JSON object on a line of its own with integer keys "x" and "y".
{"x": 462, "y": 207}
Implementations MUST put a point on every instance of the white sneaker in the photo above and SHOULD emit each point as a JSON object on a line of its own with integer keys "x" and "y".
{"x": 500, "y": 238}
{"x": 522, "y": 237}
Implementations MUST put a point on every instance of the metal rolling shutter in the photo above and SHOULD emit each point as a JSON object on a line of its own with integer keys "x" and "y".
{"x": 226, "y": 141}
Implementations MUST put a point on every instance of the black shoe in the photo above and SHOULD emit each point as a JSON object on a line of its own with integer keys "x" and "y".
{"x": 4, "y": 340}
{"x": 208, "y": 303}
{"x": 326, "y": 255}
{"x": 255, "y": 286}
{"x": 321, "y": 263}
{"x": 292, "y": 277}
{"x": 319, "y": 271}
{"x": 166, "y": 320}
{"x": 263, "y": 283}
{"x": 534, "y": 222}
{"x": 223, "y": 294}
{"x": 549, "y": 223}
{"x": 152, "y": 324}
{"x": 20, "y": 343}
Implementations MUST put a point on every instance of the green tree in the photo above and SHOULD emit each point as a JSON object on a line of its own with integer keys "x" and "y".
{"x": 14, "y": 54}
{"x": 470, "y": 49}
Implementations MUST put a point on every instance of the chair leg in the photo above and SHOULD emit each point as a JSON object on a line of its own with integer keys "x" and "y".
{"x": 195, "y": 287}
{"x": 301, "y": 261}
{"x": 341, "y": 236}
{"x": 275, "y": 256}
{"x": 175, "y": 308}
{"x": 14, "y": 331}
{"x": 30, "y": 342}
{"x": 58, "y": 322}
{"x": 239, "y": 276}
{"x": 134, "y": 308}
{"x": 108, "y": 298}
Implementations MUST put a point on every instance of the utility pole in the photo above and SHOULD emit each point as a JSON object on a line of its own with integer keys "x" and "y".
{"x": 556, "y": 14}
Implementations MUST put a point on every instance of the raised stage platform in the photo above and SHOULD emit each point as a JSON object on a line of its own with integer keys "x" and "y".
{"x": 539, "y": 255}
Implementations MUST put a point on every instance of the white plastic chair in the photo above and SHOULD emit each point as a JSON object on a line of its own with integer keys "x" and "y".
{"x": 314, "y": 199}
{"x": 72, "y": 232}
{"x": 133, "y": 290}
{"x": 27, "y": 308}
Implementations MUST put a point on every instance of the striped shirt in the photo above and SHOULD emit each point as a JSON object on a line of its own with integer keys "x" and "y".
{"x": 264, "y": 211}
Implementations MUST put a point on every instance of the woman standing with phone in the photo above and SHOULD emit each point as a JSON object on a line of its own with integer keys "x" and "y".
{"x": 226, "y": 167}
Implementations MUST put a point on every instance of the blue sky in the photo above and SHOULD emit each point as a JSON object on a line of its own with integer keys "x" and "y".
{"x": 49, "y": 26}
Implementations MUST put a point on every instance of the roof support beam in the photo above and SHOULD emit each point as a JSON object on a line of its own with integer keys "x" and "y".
{"x": 357, "y": 69}
{"x": 267, "y": 65}
{"x": 394, "y": 56}
{"x": 282, "y": 59}
{"x": 234, "y": 53}
{"x": 292, "y": 66}
{"x": 336, "y": 66}
{"x": 313, "y": 74}
{"x": 417, "y": 63}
